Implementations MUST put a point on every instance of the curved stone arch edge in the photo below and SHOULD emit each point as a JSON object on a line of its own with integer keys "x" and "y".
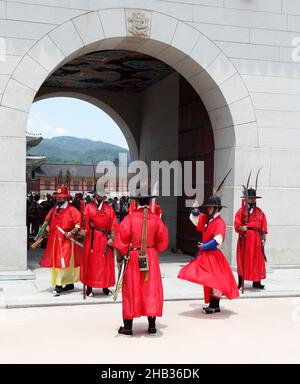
{"x": 153, "y": 12}
{"x": 111, "y": 112}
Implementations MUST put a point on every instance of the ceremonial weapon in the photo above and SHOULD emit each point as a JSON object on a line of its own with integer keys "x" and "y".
{"x": 82, "y": 226}
{"x": 122, "y": 270}
{"x": 154, "y": 192}
{"x": 222, "y": 183}
{"x": 37, "y": 243}
{"x": 243, "y": 236}
{"x": 39, "y": 237}
{"x": 256, "y": 182}
{"x": 106, "y": 249}
{"x": 245, "y": 222}
{"x": 71, "y": 239}
{"x": 262, "y": 247}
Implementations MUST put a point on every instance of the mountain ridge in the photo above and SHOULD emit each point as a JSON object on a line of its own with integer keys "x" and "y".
{"x": 69, "y": 149}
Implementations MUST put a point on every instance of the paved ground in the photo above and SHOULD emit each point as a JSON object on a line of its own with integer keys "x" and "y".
{"x": 26, "y": 293}
{"x": 246, "y": 331}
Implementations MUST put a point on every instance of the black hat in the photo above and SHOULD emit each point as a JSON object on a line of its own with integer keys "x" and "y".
{"x": 252, "y": 194}
{"x": 143, "y": 191}
{"x": 142, "y": 196}
{"x": 213, "y": 201}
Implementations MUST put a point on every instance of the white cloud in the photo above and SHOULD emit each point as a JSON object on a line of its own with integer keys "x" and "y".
{"x": 61, "y": 132}
{"x": 37, "y": 125}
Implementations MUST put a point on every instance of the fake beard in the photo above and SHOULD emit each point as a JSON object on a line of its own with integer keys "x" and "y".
{"x": 251, "y": 205}
{"x": 58, "y": 205}
{"x": 99, "y": 201}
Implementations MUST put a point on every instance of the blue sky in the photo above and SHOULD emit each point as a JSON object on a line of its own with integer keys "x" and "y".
{"x": 61, "y": 116}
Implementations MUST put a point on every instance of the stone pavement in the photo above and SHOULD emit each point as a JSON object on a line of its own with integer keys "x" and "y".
{"x": 31, "y": 293}
{"x": 246, "y": 331}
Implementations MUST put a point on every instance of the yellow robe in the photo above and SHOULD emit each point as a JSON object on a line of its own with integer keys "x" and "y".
{"x": 64, "y": 276}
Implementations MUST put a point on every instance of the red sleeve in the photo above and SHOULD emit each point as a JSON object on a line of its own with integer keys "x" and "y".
{"x": 264, "y": 224}
{"x": 201, "y": 222}
{"x": 123, "y": 236}
{"x": 161, "y": 237}
{"x": 220, "y": 228}
{"x": 132, "y": 207}
{"x": 113, "y": 220}
{"x": 238, "y": 221}
{"x": 76, "y": 216}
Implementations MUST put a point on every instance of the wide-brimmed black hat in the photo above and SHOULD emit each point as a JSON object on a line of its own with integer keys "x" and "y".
{"x": 142, "y": 196}
{"x": 94, "y": 192}
{"x": 252, "y": 194}
{"x": 142, "y": 191}
{"x": 213, "y": 201}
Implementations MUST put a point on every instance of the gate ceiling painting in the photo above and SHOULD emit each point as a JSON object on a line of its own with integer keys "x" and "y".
{"x": 113, "y": 70}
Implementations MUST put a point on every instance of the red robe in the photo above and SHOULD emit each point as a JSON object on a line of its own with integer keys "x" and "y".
{"x": 157, "y": 208}
{"x": 59, "y": 249}
{"x": 211, "y": 268}
{"x": 255, "y": 268}
{"x": 97, "y": 270}
{"x": 140, "y": 297}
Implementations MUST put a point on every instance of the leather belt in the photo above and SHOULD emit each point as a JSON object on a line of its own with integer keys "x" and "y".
{"x": 96, "y": 229}
{"x": 139, "y": 248}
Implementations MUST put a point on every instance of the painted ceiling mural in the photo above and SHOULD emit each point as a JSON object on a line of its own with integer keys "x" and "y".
{"x": 110, "y": 70}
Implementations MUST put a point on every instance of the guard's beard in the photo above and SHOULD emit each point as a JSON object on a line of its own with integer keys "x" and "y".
{"x": 251, "y": 205}
{"x": 58, "y": 205}
{"x": 99, "y": 201}
{"x": 213, "y": 214}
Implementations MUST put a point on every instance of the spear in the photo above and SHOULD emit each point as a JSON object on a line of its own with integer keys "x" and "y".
{"x": 256, "y": 182}
{"x": 154, "y": 193}
{"x": 222, "y": 182}
{"x": 82, "y": 226}
{"x": 246, "y": 218}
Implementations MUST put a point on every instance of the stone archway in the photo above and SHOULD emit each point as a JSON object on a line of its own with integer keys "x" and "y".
{"x": 193, "y": 55}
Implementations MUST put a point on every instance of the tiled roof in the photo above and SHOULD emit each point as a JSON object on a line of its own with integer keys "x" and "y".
{"x": 79, "y": 170}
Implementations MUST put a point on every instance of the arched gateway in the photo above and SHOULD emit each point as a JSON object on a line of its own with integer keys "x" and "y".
{"x": 197, "y": 59}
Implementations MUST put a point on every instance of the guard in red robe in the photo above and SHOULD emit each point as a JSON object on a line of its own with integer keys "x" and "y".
{"x": 154, "y": 207}
{"x": 210, "y": 268}
{"x": 97, "y": 265}
{"x": 142, "y": 291}
{"x": 252, "y": 237}
{"x": 62, "y": 255}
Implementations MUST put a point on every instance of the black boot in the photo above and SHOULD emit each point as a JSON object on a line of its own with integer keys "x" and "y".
{"x": 68, "y": 287}
{"x": 213, "y": 306}
{"x": 89, "y": 291}
{"x": 107, "y": 292}
{"x": 240, "y": 283}
{"x": 127, "y": 329}
{"x": 57, "y": 290}
{"x": 151, "y": 325}
{"x": 258, "y": 285}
